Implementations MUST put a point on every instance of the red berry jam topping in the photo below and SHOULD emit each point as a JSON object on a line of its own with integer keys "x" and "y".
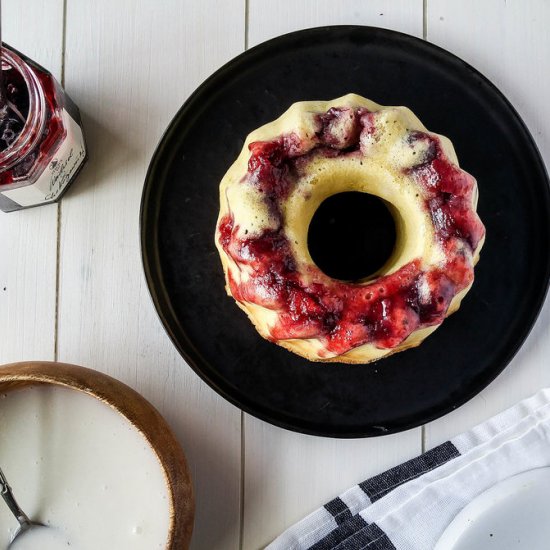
{"x": 48, "y": 137}
{"x": 344, "y": 315}
{"x": 13, "y": 113}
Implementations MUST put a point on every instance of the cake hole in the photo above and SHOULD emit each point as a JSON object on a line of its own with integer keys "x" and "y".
{"x": 351, "y": 235}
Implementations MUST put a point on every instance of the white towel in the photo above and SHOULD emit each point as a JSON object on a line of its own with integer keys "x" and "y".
{"x": 409, "y": 507}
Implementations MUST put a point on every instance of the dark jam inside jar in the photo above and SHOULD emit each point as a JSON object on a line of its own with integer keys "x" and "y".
{"x": 14, "y": 113}
{"x": 31, "y": 128}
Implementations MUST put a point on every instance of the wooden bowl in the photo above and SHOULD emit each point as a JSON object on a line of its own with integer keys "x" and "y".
{"x": 139, "y": 412}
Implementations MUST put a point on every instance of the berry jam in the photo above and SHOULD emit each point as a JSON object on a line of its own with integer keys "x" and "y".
{"x": 344, "y": 315}
{"x": 14, "y": 113}
{"x": 41, "y": 141}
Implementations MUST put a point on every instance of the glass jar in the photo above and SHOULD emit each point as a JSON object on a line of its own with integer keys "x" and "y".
{"x": 39, "y": 160}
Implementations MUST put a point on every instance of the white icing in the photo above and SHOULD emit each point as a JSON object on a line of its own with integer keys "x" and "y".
{"x": 79, "y": 466}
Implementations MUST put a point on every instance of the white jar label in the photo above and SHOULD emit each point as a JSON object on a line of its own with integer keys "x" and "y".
{"x": 59, "y": 172}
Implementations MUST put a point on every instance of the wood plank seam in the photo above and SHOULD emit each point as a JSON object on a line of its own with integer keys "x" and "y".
{"x": 425, "y": 19}
{"x": 246, "y": 21}
{"x": 58, "y": 221}
{"x": 57, "y": 283}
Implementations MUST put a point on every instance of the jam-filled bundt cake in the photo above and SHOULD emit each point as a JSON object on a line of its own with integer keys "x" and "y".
{"x": 268, "y": 197}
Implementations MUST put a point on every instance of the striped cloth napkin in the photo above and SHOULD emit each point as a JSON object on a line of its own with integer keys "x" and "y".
{"x": 409, "y": 507}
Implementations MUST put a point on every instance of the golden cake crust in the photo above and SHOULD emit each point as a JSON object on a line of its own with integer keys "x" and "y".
{"x": 385, "y": 165}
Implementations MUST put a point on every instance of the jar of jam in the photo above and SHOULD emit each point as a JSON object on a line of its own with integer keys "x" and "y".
{"x": 42, "y": 145}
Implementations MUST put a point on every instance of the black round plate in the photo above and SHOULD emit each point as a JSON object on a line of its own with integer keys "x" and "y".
{"x": 183, "y": 270}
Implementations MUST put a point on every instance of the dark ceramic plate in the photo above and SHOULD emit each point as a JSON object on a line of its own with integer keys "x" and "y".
{"x": 180, "y": 207}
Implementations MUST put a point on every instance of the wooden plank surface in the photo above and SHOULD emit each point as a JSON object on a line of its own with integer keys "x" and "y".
{"x": 28, "y": 239}
{"x": 129, "y": 66}
{"x": 288, "y": 475}
{"x": 509, "y": 43}
{"x": 268, "y": 19}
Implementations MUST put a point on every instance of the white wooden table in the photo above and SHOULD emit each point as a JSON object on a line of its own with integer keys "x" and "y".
{"x": 71, "y": 281}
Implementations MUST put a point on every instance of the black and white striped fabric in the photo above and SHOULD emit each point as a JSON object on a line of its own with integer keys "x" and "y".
{"x": 408, "y": 507}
